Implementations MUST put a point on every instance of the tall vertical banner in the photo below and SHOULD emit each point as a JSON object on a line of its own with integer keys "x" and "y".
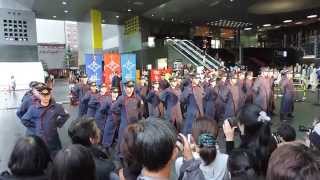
{"x": 111, "y": 65}
{"x": 128, "y": 67}
{"x": 94, "y": 67}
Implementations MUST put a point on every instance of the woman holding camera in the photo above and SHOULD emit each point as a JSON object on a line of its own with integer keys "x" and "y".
{"x": 256, "y": 136}
{"x": 213, "y": 162}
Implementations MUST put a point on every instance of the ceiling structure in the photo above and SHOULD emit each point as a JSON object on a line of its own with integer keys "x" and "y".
{"x": 238, "y": 13}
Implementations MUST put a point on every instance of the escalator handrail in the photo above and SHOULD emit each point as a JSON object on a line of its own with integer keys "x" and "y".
{"x": 200, "y": 55}
{"x": 199, "y": 50}
{"x": 172, "y": 45}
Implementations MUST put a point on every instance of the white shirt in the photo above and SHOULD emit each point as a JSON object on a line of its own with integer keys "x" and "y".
{"x": 216, "y": 170}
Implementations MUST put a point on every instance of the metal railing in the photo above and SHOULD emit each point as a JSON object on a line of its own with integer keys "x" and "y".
{"x": 207, "y": 59}
{"x": 211, "y": 61}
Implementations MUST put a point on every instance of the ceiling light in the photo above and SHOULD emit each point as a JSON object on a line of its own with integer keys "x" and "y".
{"x": 64, "y": 3}
{"x": 129, "y": 10}
{"x": 300, "y": 22}
{"x": 54, "y": 16}
{"x": 152, "y": 15}
{"x": 247, "y": 29}
{"x": 312, "y": 16}
{"x": 117, "y": 17}
{"x": 287, "y": 21}
{"x": 266, "y": 25}
{"x": 66, "y": 11}
{"x": 277, "y": 27}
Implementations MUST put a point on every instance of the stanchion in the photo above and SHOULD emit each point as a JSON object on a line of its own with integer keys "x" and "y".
{"x": 317, "y": 103}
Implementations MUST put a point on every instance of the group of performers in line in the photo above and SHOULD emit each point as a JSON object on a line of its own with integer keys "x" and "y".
{"x": 180, "y": 99}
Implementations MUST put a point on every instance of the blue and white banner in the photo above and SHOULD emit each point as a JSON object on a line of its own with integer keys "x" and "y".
{"x": 128, "y": 67}
{"x": 94, "y": 67}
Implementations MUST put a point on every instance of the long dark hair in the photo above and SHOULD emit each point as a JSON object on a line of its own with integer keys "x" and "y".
{"x": 73, "y": 162}
{"x": 257, "y": 136}
{"x": 240, "y": 165}
{"x": 30, "y": 157}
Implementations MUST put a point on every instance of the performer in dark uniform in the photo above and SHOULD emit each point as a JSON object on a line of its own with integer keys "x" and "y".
{"x": 223, "y": 99}
{"x": 111, "y": 127}
{"x": 130, "y": 108}
{"x": 260, "y": 88}
{"x": 248, "y": 84}
{"x": 171, "y": 100}
{"x": 155, "y": 107}
{"x": 79, "y": 91}
{"x": 193, "y": 96}
{"x": 46, "y": 117}
{"x": 210, "y": 99}
{"x": 287, "y": 101}
{"x": 92, "y": 99}
{"x": 94, "y": 104}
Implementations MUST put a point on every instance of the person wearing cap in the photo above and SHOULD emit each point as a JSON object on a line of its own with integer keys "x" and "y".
{"x": 261, "y": 91}
{"x": 130, "y": 108}
{"x": 95, "y": 102}
{"x": 95, "y": 97}
{"x": 142, "y": 90}
{"x": 192, "y": 95}
{"x": 170, "y": 97}
{"x": 116, "y": 81}
{"x": 31, "y": 97}
{"x": 287, "y": 100}
{"x": 248, "y": 83}
{"x": 87, "y": 110}
{"x": 155, "y": 108}
{"x": 242, "y": 88}
{"x": 209, "y": 100}
{"x": 222, "y": 100}
{"x": 79, "y": 91}
{"x": 45, "y": 118}
{"x": 233, "y": 103}
{"x": 112, "y": 120}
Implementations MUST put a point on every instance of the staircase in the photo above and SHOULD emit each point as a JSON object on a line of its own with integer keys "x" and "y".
{"x": 193, "y": 54}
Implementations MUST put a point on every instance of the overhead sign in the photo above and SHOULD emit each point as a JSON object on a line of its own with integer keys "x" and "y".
{"x": 128, "y": 67}
{"x": 111, "y": 65}
{"x": 94, "y": 67}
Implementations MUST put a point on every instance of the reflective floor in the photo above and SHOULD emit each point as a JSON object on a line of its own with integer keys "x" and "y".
{"x": 11, "y": 128}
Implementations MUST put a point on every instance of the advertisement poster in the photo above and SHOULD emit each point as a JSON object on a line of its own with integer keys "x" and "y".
{"x": 111, "y": 65}
{"x": 94, "y": 67}
{"x": 128, "y": 67}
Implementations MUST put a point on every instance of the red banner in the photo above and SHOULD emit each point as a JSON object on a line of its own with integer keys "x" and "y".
{"x": 111, "y": 65}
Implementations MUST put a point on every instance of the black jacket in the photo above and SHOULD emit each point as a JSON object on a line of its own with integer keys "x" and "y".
{"x": 104, "y": 166}
{"x": 7, "y": 176}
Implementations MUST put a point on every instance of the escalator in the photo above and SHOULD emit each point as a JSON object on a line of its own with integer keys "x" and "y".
{"x": 194, "y": 54}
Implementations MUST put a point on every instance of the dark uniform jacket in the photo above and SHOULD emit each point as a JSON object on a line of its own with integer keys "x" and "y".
{"x": 46, "y": 121}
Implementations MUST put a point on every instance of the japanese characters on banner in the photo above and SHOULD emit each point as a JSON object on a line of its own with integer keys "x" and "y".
{"x": 128, "y": 67}
{"x": 94, "y": 67}
{"x": 111, "y": 65}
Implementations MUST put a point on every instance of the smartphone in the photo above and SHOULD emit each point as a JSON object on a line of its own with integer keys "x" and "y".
{"x": 189, "y": 138}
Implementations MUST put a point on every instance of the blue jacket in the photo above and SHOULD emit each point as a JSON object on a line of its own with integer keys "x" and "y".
{"x": 93, "y": 103}
{"x": 130, "y": 110}
{"x": 45, "y": 121}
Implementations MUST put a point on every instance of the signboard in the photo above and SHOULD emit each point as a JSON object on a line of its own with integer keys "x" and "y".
{"x": 128, "y": 67}
{"x": 94, "y": 67}
{"x": 111, "y": 65}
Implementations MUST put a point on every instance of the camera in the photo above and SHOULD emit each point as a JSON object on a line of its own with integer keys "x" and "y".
{"x": 276, "y": 137}
{"x": 303, "y": 128}
{"x": 233, "y": 121}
